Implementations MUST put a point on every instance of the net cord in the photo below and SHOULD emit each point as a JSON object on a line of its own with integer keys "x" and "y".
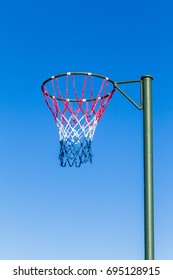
{"x": 76, "y": 132}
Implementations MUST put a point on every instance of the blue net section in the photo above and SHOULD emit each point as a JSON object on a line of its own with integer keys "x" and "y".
{"x": 72, "y": 153}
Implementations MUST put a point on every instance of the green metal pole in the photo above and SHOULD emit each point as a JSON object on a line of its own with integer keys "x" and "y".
{"x": 148, "y": 167}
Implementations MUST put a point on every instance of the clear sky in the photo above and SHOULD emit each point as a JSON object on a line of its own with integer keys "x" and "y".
{"x": 96, "y": 211}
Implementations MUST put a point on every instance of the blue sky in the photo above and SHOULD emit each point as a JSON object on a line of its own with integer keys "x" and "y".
{"x": 95, "y": 212}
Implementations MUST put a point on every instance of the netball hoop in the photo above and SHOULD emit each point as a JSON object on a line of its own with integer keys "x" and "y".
{"x": 77, "y": 101}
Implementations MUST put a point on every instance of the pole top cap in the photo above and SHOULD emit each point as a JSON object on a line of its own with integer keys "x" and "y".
{"x": 146, "y": 76}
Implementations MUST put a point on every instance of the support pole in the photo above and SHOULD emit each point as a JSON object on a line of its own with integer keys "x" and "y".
{"x": 148, "y": 167}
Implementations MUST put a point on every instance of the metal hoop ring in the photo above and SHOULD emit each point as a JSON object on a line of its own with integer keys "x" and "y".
{"x": 78, "y": 73}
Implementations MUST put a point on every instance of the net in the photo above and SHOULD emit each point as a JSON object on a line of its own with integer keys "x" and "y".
{"x": 70, "y": 98}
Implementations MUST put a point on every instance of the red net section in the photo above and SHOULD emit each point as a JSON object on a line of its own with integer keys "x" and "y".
{"x": 77, "y": 101}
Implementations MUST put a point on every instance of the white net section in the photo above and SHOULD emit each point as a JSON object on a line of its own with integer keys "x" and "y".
{"x": 75, "y": 129}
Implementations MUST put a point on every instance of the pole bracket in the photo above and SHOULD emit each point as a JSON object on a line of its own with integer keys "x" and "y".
{"x": 138, "y": 106}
